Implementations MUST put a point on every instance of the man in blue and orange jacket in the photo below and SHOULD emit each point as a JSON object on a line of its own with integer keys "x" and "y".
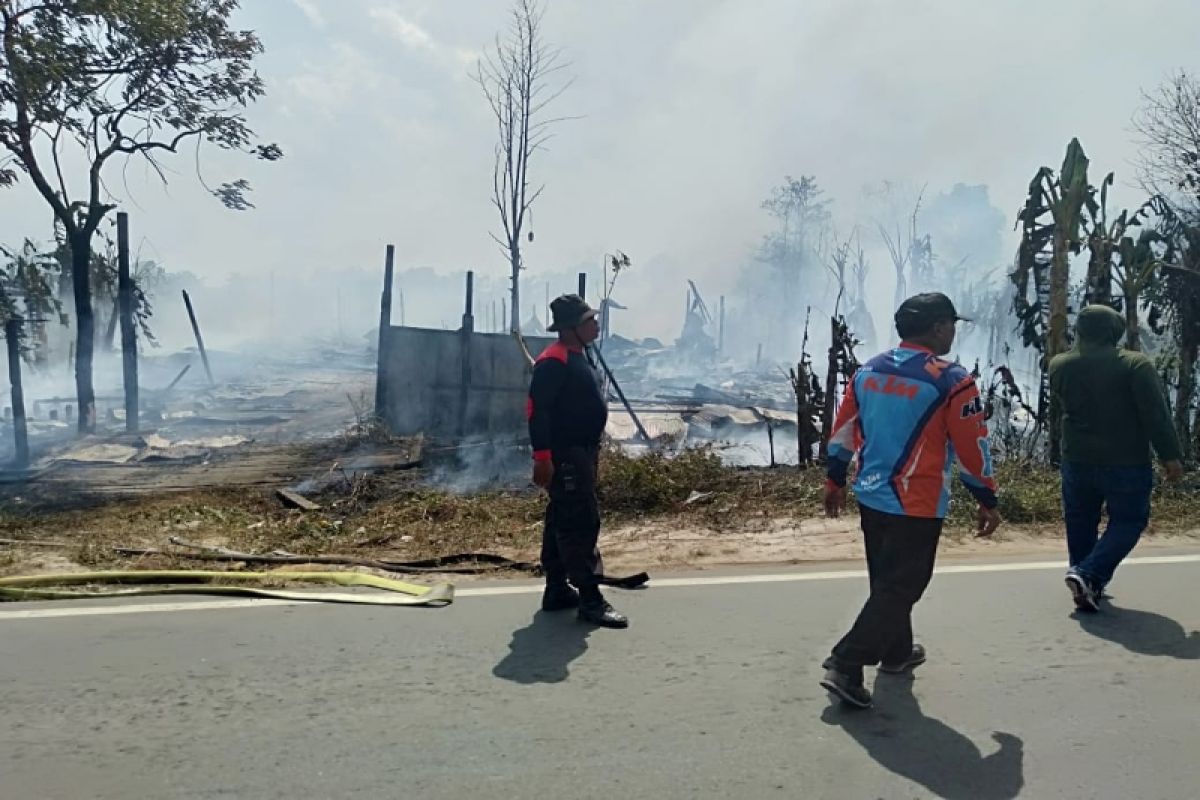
{"x": 567, "y": 413}
{"x": 908, "y": 414}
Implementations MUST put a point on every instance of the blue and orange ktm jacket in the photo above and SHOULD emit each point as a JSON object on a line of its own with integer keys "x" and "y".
{"x": 908, "y": 414}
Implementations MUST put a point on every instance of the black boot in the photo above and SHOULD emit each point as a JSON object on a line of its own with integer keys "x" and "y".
{"x": 599, "y": 612}
{"x": 915, "y": 659}
{"x": 559, "y": 597}
{"x": 848, "y": 688}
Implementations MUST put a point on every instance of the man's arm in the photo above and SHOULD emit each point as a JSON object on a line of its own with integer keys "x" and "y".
{"x": 549, "y": 374}
{"x": 968, "y": 436}
{"x": 1154, "y": 411}
{"x": 844, "y": 440}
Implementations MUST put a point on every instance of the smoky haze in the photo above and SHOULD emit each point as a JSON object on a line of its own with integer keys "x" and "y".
{"x": 687, "y": 114}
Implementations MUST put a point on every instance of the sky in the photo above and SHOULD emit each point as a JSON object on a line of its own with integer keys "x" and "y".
{"x": 685, "y": 113}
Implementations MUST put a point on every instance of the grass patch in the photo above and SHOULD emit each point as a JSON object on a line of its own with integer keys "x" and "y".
{"x": 397, "y": 516}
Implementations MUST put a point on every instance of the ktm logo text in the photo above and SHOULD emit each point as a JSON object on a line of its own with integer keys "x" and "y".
{"x": 893, "y": 386}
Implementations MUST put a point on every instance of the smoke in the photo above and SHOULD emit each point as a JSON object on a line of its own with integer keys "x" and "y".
{"x": 479, "y": 463}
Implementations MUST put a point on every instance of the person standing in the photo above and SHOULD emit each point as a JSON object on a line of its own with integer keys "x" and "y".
{"x": 907, "y": 414}
{"x": 1113, "y": 411}
{"x": 567, "y": 413}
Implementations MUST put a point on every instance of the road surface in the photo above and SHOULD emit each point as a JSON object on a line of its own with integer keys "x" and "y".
{"x": 712, "y": 692}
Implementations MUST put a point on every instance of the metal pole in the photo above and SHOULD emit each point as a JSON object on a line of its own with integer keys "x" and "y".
{"x": 583, "y": 284}
{"x": 187, "y": 301}
{"x": 12, "y": 332}
{"x": 178, "y": 378}
{"x": 616, "y": 386}
{"x": 125, "y": 295}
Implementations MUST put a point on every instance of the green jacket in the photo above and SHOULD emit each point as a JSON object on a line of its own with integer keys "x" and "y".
{"x": 1112, "y": 404}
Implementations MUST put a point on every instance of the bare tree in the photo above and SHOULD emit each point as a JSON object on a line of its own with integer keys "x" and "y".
{"x": 1169, "y": 127}
{"x": 912, "y": 252}
{"x": 519, "y": 79}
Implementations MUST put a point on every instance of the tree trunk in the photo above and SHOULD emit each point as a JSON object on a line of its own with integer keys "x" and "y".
{"x": 85, "y": 330}
{"x": 830, "y": 409}
{"x": 1185, "y": 395}
{"x": 1099, "y": 280}
{"x": 1133, "y": 328}
{"x": 514, "y": 256}
{"x": 1060, "y": 266}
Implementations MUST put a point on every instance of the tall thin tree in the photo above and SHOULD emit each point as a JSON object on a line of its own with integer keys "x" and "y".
{"x": 520, "y": 77}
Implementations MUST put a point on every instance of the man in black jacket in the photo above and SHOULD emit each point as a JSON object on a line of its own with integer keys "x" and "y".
{"x": 567, "y": 413}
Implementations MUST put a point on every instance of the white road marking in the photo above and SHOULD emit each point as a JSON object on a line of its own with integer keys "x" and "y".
{"x": 495, "y": 591}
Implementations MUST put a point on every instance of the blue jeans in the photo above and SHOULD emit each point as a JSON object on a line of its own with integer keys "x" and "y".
{"x": 1125, "y": 493}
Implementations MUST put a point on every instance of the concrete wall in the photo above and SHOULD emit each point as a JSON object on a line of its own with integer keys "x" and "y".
{"x": 427, "y": 389}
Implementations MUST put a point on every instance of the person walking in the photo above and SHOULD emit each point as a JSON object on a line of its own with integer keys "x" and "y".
{"x": 567, "y": 413}
{"x": 907, "y": 414}
{"x": 1113, "y": 412}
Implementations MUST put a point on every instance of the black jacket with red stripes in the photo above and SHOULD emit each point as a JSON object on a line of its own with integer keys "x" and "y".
{"x": 566, "y": 407}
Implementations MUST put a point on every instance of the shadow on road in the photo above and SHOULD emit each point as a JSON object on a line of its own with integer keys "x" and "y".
{"x": 1142, "y": 632}
{"x": 928, "y": 751}
{"x": 542, "y": 651}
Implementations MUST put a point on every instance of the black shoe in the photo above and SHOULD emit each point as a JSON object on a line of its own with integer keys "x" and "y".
{"x": 1082, "y": 593}
{"x": 848, "y": 689}
{"x": 915, "y": 659}
{"x": 559, "y": 598}
{"x": 602, "y": 614}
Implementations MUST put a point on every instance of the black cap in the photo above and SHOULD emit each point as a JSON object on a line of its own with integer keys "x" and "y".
{"x": 569, "y": 311}
{"x": 921, "y": 312}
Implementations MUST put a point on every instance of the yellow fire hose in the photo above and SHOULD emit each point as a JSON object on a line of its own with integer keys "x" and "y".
{"x": 43, "y": 587}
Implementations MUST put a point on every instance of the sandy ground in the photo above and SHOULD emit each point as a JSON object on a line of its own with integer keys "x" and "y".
{"x": 662, "y": 546}
{"x": 788, "y": 541}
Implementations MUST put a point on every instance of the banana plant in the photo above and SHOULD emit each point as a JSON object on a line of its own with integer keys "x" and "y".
{"x": 1138, "y": 266}
{"x": 1103, "y": 239}
{"x": 1051, "y": 223}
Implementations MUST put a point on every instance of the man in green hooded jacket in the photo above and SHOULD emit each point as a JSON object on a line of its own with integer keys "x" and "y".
{"x": 1113, "y": 412}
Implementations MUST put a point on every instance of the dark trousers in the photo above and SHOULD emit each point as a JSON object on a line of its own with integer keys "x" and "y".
{"x": 900, "y": 556}
{"x": 1125, "y": 493}
{"x": 572, "y": 528}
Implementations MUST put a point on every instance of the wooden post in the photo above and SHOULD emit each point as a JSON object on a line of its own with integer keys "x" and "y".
{"x": 771, "y": 440}
{"x": 468, "y": 319}
{"x": 187, "y": 301}
{"x": 385, "y": 321}
{"x": 721, "y": 329}
{"x": 126, "y": 299}
{"x": 831, "y": 374}
{"x": 12, "y": 332}
{"x": 178, "y": 378}
{"x": 583, "y": 285}
{"x": 467, "y": 332}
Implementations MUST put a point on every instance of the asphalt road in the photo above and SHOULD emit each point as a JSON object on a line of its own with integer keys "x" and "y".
{"x": 711, "y": 693}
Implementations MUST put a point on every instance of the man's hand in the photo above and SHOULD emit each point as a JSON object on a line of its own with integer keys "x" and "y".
{"x": 835, "y": 499}
{"x": 1173, "y": 470}
{"x": 987, "y": 520}
{"x": 543, "y": 473}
